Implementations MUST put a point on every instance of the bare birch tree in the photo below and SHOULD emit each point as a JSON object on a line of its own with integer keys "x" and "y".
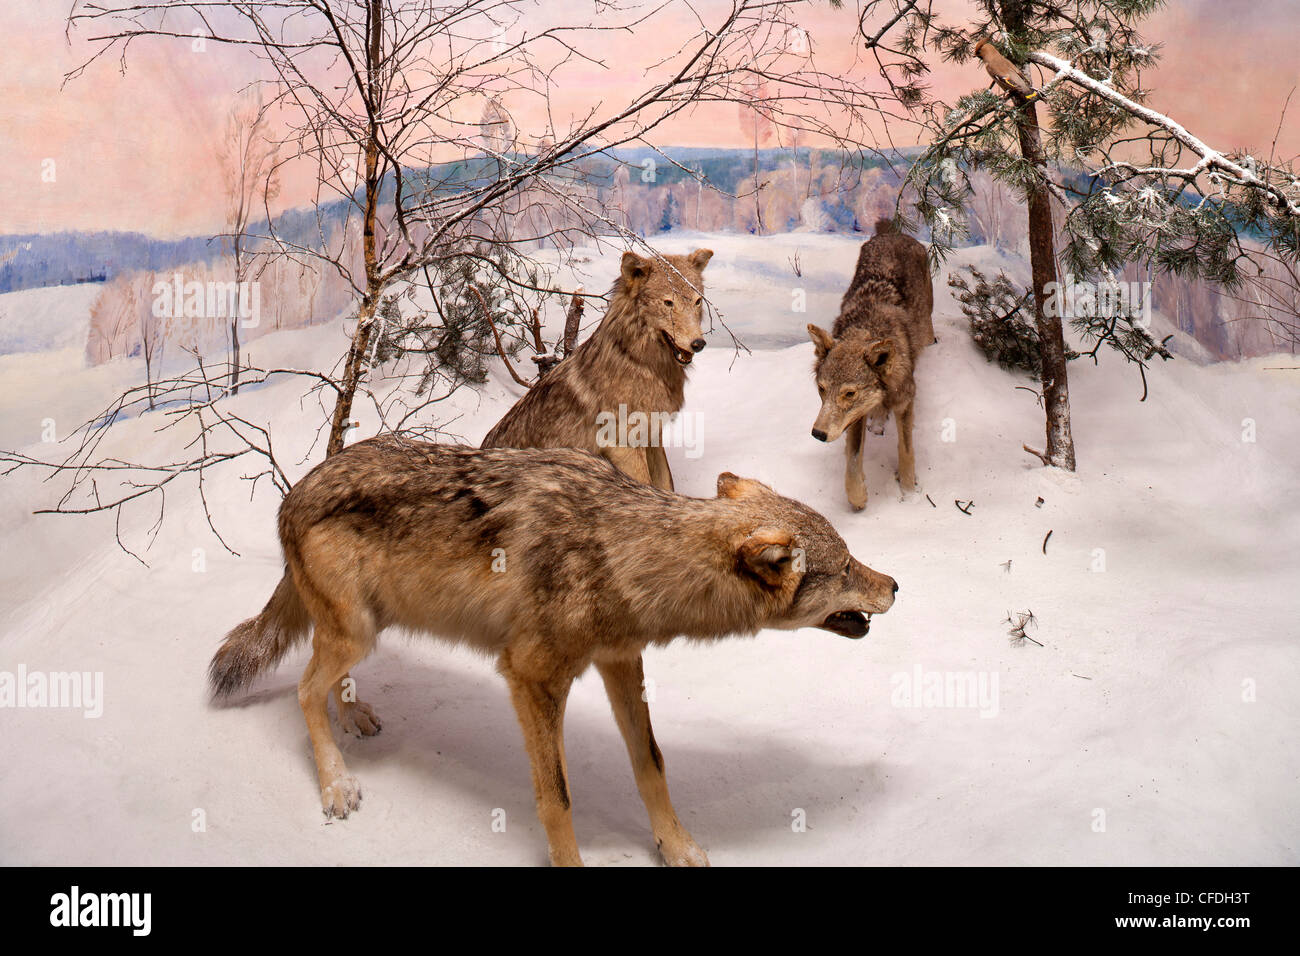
{"x": 381, "y": 100}
{"x": 250, "y": 178}
{"x": 378, "y": 87}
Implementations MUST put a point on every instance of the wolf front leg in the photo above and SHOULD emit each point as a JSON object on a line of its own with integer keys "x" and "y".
{"x": 660, "y": 475}
{"x": 539, "y": 704}
{"x": 633, "y": 462}
{"x": 906, "y": 454}
{"x": 855, "y": 485}
{"x": 624, "y": 683}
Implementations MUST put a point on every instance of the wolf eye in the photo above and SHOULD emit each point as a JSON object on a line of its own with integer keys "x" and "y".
{"x": 848, "y": 567}
{"x": 668, "y": 302}
{"x": 850, "y": 392}
{"x": 698, "y": 301}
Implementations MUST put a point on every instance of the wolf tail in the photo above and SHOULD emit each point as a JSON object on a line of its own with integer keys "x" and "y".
{"x": 259, "y": 643}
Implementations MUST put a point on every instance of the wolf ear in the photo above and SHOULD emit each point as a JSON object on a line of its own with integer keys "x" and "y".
{"x": 634, "y": 267}
{"x": 879, "y": 353}
{"x": 733, "y": 486}
{"x": 700, "y": 258}
{"x": 768, "y": 554}
{"x": 821, "y": 340}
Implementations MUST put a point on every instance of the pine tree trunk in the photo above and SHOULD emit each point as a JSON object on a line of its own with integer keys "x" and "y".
{"x": 1051, "y": 336}
{"x": 1042, "y": 262}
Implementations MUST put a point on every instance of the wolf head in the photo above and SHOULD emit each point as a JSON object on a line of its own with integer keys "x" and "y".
{"x": 803, "y": 564}
{"x": 670, "y": 300}
{"x": 855, "y": 375}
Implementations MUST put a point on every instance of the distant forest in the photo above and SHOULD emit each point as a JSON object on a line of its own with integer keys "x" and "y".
{"x": 803, "y": 187}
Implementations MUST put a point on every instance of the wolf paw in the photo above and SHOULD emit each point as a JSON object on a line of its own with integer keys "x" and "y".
{"x": 684, "y": 853}
{"x": 359, "y": 719}
{"x": 567, "y": 858}
{"x": 855, "y": 489}
{"x": 341, "y": 797}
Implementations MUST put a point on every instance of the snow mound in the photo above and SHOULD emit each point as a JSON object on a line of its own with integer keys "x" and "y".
{"x": 1146, "y": 718}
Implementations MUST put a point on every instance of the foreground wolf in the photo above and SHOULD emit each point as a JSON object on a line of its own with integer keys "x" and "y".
{"x": 864, "y": 367}
{"x": 637, "y": 357}
{"x": 550, "y": 560}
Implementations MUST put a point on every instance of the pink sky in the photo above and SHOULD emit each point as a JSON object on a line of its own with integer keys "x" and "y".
{"x": 135, "y": 151}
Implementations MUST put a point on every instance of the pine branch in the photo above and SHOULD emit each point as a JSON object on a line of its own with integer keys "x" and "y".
{"x": 1210, "y": 159}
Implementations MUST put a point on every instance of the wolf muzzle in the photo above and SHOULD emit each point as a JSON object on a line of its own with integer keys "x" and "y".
{"x": 852, "y": 624}
{"x": 683, "y": 356}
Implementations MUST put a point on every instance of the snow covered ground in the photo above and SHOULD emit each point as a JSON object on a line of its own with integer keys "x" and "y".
{"x": 1155, "y": 724}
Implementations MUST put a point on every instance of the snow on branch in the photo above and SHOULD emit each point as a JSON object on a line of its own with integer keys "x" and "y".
{"x": 1211, "y": 160}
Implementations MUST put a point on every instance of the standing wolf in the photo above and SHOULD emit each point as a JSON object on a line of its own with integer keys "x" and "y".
{"x": 865, "y": 366}
{"x": 637, "y": 358}
{"x": 550, "y": 560}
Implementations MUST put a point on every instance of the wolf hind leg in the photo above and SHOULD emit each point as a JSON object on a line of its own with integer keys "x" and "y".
{"x": 335, "y": 652}
{"x": 624, "y": 680}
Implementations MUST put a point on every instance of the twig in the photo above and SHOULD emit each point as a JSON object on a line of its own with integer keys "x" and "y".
{"x": 571, "y": 321}
{"x": 497, "y": 336}
{"x": 1049, "y": 534}
{"x": 536, "y": 326}
{"x": 1032, "y": 391}
{"x": 1018, "y": 624}
{"x": 1037, "y": 454}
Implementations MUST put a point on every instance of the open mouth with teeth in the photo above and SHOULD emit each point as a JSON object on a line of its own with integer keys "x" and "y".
{"x": 852, "y": 624}
{"x": 682, "y": 355}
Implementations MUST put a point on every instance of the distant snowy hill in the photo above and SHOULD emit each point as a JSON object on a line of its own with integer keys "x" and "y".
{"x": 41, "y": 320}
